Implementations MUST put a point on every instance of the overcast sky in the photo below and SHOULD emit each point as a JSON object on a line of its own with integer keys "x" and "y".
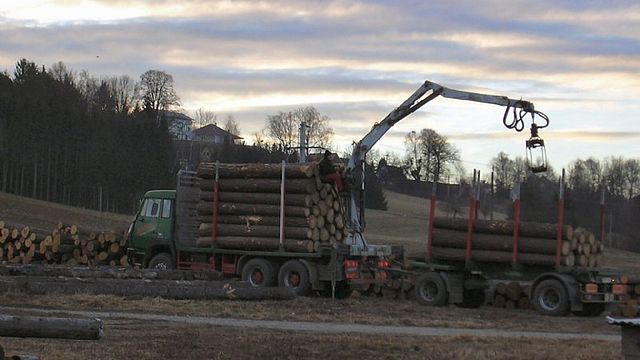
{"x": 577, "y": 61}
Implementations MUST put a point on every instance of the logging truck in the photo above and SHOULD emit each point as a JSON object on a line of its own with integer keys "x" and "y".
{"x": 269, "y": 224}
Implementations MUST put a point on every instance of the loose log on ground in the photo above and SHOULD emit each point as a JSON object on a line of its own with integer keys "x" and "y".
{"x": 527, "y": 229}
{"x": 206, "y": 208}
{"x": 168, "y": 289}
{"x": 293, "y": 186}
{"x": 51, "y": 327}
{"x": 458, "y": 239}
{"x": 254, "y": 243}
{"x": 207, "y": 170}
{"x": 255, "y": 231}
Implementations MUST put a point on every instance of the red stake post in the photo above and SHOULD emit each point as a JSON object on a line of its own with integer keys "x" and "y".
{"x": 516, "y": 224}
{"x": 603, "y": 213}
{"x": 472, "y": 215}
{"x": 214, "y": 217}
{"x": 432, "y": 215}
{"x": 560, "y": 220}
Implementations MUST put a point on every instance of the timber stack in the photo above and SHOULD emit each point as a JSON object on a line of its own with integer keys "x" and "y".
{"x": 492, "y": 241}
{"x": 65, "y": 244}
{"x": 244, "y": 213}
{"x": 511, "y": 295}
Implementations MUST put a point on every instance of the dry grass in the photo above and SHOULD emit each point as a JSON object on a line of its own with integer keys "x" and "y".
{"x": 125, "y": 339}
{"x": 360, "y": 310}
{"x": 45, "y": 215}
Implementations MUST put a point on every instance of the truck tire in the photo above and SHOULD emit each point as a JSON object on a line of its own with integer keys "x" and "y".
{"x": 551, "y": 298}
{"x": 430, "y": 290}
{"x": 259, "y": 272}
{"x": 161, "y": 261}
{"x": 590, "y": 310}
{"x": 472, "y": 299}
{"x": 293, "y": 274}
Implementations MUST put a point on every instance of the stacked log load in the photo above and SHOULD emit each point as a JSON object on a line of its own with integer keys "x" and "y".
{"x": 492, "y": 241}
{"x": 511, "y": 295}
{"x": 248, "y": 211}
{"x": 65, "y": 244}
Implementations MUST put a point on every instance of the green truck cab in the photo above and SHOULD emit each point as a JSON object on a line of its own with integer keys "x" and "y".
{"x": 152, "y": 230}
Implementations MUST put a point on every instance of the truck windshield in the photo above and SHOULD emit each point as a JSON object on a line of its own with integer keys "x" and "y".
{"x": 151, "y": 207}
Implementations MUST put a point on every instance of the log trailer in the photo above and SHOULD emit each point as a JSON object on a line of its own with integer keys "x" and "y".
{"x": 464, "y": 280}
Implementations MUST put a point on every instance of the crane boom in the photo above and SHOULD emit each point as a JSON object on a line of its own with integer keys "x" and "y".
{"x": 425, "y": 93}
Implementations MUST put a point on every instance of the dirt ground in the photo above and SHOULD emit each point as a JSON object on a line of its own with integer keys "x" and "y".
{"x": 356, "y": 310}
{"x": 126, "y": 339}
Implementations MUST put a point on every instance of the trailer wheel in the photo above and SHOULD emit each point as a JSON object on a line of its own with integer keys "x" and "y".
{"x": 293, "y": 274}
{"x": 590, "y": 310}
{"x": 430, "y": 290}
{"x": 161, "y": 261}
{"x": 472, "y": 299}
{"x": 259, "y": 272}
{"x": 551, "y": 298}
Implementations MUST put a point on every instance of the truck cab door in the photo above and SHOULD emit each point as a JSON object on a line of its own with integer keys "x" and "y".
{"x": 145, "y": 228}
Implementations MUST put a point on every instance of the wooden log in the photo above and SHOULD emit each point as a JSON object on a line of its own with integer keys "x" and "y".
{"x": 458, "y": 239}
{"x": 292, "y": 186}
{"x": 205, "y": 208}
{"x": 207, "y": 170}
{"x": 259, "y": 198}
{"x": 169, "y": 289}
{"x": 255, "y": 243}
{"x": 51, "y": 327}
{"x": 527, "y": 229}
{"x": 265, "y": 220}
{"x": 513, "y": 291}
{"x": 255, "y": 231}
{"x": 493, "y": 256}
{"x": 499, "y": 301}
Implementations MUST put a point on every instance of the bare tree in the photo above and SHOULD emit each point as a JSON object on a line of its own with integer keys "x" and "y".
{"x": 156, "y": 91}
{"x": 614, "y": 178}
{"x": 205, "y": 117}
{"x": 283, "y": 127}
{"x": 231, "y": 126}
{"x": 59, "y": 72}
{"x": 123, "y": 91}
{"x": 632, "y": 176}
{"x": 413, "y": 161}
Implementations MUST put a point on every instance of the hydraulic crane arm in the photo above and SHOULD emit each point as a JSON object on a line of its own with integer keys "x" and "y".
{"x": 427, "y": 92}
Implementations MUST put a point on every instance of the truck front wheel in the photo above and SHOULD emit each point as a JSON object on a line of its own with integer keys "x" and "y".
{"x": 430, "y": 290}
{"x": 161, "y": 261}
{"x": 259, "y": 272}
{"x": 550, "y": 298}
{"x": 293, "y": 274}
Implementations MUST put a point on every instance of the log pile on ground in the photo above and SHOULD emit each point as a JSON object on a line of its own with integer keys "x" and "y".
{"x": 493, "y": 242}
{"x": 248, "y": 212}
{"x": 66, "y": 244}
{"x": 511, "y": 295}
{"x": 630, "y": 306}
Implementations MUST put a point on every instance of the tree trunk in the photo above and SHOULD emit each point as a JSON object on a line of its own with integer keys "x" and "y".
{"x": 207, "y": 170}
{"x": 493, "y": 256}
{"x": 292, "y": 186}
{"x": 168, "y": 289}
{"x": 458, "y": 239}
{"x": 255, "y": 231}
{"x": 259, "y": 198}
{"x": 254, "y": 243}
{"x": 206, "y": 208}
{"x": 51, "y": 327}
{"x": 527, "y": 229}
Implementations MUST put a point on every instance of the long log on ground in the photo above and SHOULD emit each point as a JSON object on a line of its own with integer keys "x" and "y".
{"x": 254, "y": 243}
{"x": 168, "y": 289}
{"x": 500, "y": 227}
{"x": 206, "y": 208}
{"x": 266, "y": 220}
{"x": 259, "y": 198}
{"x": 458, "y": 239}
{"x": 207, "y": 170}
{"x": 105, "y": 272}
{"x": 494, "y": 256}
{"x": 255, "y": 231}
{"x": 51, "y": 327}
{"x": 292, "y": 186}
